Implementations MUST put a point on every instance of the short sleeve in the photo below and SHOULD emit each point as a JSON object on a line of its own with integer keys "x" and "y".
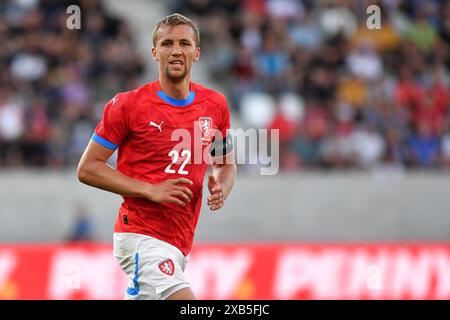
{"x": 225, "y": 123}
{"x": 113, "y": 128}
{"x": 223, "y": 145}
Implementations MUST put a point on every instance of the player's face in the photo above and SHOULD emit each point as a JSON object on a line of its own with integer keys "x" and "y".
{"x": 175, "y": 51}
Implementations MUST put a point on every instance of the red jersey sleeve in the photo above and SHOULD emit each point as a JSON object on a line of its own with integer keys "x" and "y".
{"x": 224, "y": 143}
{"x": 113, "y": 128}
{"x": 225, "y": 125}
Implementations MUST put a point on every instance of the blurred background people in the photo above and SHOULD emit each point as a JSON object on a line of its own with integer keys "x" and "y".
{"x": 53, "y": 81}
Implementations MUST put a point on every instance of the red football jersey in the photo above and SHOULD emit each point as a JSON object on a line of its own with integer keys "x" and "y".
{"x": 160, "y": 138}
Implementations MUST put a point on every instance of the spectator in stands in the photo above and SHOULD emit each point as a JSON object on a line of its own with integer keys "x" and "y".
{"x": 396, "y": 154}
{"x": 424, "y": 146}
{"x": 368, "y": 146}
{"x": 12, "y": 127}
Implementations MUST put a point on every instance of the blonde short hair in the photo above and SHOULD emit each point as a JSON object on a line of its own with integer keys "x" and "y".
{"x": 173, "y": 20}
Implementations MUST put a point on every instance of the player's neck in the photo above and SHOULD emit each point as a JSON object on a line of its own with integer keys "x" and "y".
{"x": 176, "y": 90}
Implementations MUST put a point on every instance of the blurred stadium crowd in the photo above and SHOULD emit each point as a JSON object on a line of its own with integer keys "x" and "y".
{"x": 54, "y": 81}
{"x": 343, "y": 96}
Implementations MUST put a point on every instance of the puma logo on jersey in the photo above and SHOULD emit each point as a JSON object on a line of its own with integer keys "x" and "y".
{"x": 156, "y": 125}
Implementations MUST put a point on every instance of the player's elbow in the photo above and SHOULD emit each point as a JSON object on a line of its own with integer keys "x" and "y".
{"x": 83, "y": 172}
{"x": 234, "y": 169}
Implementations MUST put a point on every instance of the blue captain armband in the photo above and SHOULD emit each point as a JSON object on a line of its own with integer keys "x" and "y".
{"x": 102, "y": 141}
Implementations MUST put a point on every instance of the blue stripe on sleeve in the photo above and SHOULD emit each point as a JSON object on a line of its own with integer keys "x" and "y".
{"x": 104, "y": 142}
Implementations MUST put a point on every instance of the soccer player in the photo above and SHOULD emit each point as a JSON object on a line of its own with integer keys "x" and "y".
{"x": 166, "y": 133}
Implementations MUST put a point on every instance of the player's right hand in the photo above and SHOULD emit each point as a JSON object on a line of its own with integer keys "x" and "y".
{"x": 171, "y": 191}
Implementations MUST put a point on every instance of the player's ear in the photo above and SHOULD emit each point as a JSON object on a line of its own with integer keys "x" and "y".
{"x": 154, "y": 55}
{"x": 197, "y": 54}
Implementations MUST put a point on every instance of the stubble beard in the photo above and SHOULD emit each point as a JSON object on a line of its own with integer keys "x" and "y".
{"x": 176, "y": 77}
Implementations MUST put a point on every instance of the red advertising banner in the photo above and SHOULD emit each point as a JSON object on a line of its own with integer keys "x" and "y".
{"x": 238, "y": 271}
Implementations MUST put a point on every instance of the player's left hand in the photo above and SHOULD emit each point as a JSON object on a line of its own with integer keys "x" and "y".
{"x": 215, "y": 200}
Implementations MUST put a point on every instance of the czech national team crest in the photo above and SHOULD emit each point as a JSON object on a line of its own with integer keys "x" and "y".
{"x": 205, "y": 124}
{"x": 167, "y": 267}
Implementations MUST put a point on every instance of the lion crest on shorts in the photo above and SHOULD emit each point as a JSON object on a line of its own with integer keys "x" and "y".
{"x": 167, "y": 267}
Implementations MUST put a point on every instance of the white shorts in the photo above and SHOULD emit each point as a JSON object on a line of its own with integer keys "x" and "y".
{"x": 155, "y": 267}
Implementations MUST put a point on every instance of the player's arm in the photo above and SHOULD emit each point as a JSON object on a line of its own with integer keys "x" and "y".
{"x": 94, "y": 171}
{"x": 223, "y": 177}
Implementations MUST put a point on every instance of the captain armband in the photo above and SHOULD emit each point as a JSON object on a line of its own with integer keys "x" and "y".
{"x": 221, "y": 147}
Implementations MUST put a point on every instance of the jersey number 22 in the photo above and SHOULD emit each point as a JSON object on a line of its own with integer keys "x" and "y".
{"x": 174, "y": 155}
